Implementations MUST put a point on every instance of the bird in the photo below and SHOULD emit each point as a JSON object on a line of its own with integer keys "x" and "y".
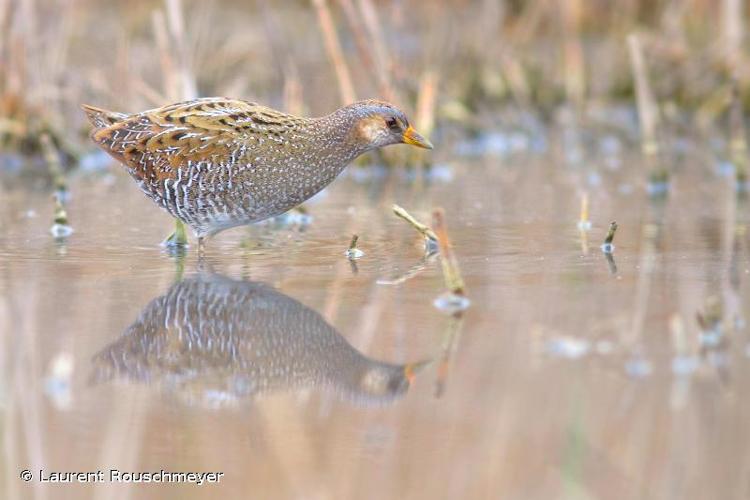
{"x": 215, "y": 163}
{"x": 214, "y": 339}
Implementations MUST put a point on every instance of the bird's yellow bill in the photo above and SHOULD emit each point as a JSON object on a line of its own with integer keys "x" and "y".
{"x": 412, "y": 137}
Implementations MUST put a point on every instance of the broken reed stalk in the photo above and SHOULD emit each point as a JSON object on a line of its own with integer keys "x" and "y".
{"x": 732, "y": 31}
{"x": 516, "y": 75}
{"x": 423, "y": 229}
{"x": 333, "y": 48}
{"x": 353, "y": 252}
{"x": 52, "y": 158}
{"x": 4, "y": 31}
{"x": 646, "y": 106}
{"x": 176, "y": 23}
{"x": 575, "y": 78}
{"x": 61, "y": 216}
{"x": 451, "y": 272}
{"x": 610, "y": 233}
{"x": 279, "y": 42}
{"x": 425, "y": 119}
{"x": 584, "y": 224}
{"x": 737, "y": 140}
{"x": 584, "y": 207}
{"x": 171, "y": 85}
{"x": 365, "y": 50}
{"x": 426, "y": 101}
{"x": 353, "y": 243}
{"x": 377, "y": 38}
{"x": 648, "y": 112}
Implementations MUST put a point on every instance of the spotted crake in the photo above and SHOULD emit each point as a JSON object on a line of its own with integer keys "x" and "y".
{"x": 216, "y": 163}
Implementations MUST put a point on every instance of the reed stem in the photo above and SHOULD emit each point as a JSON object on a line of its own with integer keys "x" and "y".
{"x": 737, "y": 138}
{"x": 648, "y": 111}
{"x": 423, "y": 229}
{"x": 353, "y": 243}
{"x": 52, "y": 158}
{"x": 611, "y": 233}
{"x": 335, "y": 54}
{"x": 451, "y": 272}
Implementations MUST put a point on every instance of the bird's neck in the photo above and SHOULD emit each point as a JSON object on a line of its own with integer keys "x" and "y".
{"x": 337, "y": 136}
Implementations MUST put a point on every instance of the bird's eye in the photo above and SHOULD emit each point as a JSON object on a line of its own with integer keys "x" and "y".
{"x": 393, "y": 124}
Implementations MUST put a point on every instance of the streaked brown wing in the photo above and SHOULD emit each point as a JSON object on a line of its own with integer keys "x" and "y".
{"x": 158, "y": 142}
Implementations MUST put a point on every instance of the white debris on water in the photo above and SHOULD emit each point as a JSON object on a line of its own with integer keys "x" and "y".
{"x": 61, "y": 230}
{"x": 354, "y": 253}
{"x": 451, "y": 303}
{"x": 568, "y": 347}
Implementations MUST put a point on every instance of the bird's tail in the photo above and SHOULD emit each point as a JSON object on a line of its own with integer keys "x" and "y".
{"x": 101, "y": 118}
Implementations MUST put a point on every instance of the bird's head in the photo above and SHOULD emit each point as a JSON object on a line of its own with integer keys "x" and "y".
{"x": 377, "y": 123}
{"x": 383, "y": 382}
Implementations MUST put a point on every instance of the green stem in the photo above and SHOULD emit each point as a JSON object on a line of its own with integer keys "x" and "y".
{"x": 353, "y": 243}
{"x": 611, "y": 233}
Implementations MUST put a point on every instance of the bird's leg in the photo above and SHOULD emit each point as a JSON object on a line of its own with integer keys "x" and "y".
{"x": 178, "y": 238}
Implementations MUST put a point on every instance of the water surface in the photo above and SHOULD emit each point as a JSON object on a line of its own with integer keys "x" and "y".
{"x": 301, "y": 375}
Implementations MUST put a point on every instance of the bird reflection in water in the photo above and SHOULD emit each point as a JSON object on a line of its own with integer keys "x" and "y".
{"x": 213, "y": 339}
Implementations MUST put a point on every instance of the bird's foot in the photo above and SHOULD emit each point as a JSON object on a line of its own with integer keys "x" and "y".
{"x": 178, "y": 238}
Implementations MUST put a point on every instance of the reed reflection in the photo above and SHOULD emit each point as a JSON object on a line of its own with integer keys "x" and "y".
{"x": 214, "y": 339}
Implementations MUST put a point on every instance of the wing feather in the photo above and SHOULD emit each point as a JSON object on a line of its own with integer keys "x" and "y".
{"x": 156, "y": 143}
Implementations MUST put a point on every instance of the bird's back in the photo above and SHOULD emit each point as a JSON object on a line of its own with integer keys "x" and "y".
{"x": 157, "y": 143}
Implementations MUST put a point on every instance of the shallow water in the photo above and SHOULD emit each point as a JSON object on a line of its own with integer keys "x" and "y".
{"x": 286, "y": 367}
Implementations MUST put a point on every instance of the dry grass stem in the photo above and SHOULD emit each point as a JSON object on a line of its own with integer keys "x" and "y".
{"x": 377, "y": 38}
{"x": 353, "y": 243}
{"x": 732, "y": 31}
{"x": 610, "y": 233}
{"x": 648, "y": 111}
{"x": 584, "y": 208}
{"x": 176, "y": 23}
{"x": 365, "y": 50}
{"x": 451, "y": 272}
{"x": 335, "y": 54}
{"x": 52, "y": 158}
{"x": 423, "y": 229}
{"x": 171, "y": 83}
{"x": 575, "y": 77}
{"x": 737, "y": 138}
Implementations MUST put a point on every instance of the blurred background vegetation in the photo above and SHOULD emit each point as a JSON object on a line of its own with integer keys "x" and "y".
{"x": 461, "y": 66}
